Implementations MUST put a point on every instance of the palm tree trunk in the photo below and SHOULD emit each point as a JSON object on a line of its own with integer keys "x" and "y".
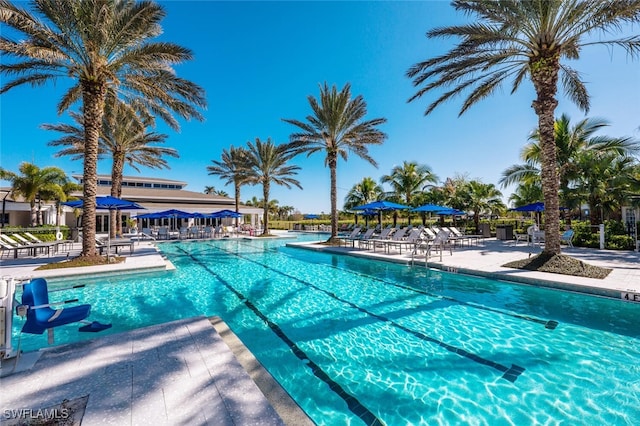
{"x": 117, "y": 169}
{"x": 333, "y": 163}
{"x": 265, "y": 217}
{"x": 237, "y": 196}
{"x": 93, "y": 96}
{"x": 34, "y": 213}
{"x": 545, "y": 79}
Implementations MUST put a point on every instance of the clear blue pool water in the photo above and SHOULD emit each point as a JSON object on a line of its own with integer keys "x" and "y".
{"x": 354, "y": 340}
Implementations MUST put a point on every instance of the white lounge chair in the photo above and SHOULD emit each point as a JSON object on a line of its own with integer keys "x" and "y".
{"x": 459, "y": 235}
{"x": 536, "y": 236}
{"x": 413, "y": 237}
{"x": 368, "y": 234}
{"x": 439, "y": 243}
{"x": 378, "y": 240}
{"x": 351, "y": 236}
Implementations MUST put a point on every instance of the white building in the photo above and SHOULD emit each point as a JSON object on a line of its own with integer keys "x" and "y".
{"x": 154, "y": 194}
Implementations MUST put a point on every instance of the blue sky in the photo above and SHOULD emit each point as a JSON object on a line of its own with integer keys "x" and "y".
{"x": 258, "y": 62}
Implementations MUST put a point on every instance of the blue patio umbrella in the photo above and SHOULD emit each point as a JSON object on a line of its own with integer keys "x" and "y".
{"x": 450, "y": 212}
{"x": 380, "y": 206}
{"x": 148, "y": 216}
{"x": 430, "y": 208}
{"x": 178, "y": 214}
{"x": 311, "y": 216}
{"x": 171, "y": 213}
{"x": 533, "y": 207}
{"x": 226, "y": 213}
{"x": 367, "y": 214}
{"x": 107, "y": 203}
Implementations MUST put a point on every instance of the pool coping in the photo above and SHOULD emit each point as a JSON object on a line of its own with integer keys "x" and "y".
{"x": 286, "y": 407}
{"x": 506, "y": 274}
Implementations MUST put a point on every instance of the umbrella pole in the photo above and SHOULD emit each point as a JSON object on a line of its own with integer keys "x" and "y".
{"x": 109, "y": 239}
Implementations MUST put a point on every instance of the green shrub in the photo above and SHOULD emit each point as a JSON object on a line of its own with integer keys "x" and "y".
{"x": 615, "y": 227}
{"x": 619, "y": 242}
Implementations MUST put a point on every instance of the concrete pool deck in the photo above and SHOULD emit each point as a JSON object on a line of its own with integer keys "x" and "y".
{"x": 177, "y": 373}
{"x": 486, "y": 259}
{"x": 180, "y": 372}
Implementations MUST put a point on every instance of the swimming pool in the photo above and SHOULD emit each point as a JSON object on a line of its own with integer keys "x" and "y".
{"x": 356, "y": 341}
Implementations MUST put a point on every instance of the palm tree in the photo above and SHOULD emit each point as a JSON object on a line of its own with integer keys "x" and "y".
{"x": 607, "y": 180}
{"x": 104, "y": 47}
{"x": 254, "y": 202}
{"x": 124, "y": 135}
{"x": 266, "y": 163}
{"x": 337, "y": 128}
{"x": 210, "y": 190}
{"x": 284, "y": 212}
{"x": 572, "y": 143}
{"x": 363, "y": 192}
{"x": 454, "y": 191}
{"x": 231, "y": 169}
{"x": 61, "y": 194}
{"x": 483, "y": 198}
{"x": 408, "y": 180}
{"x": 34, "y": 183}
{"x": 514, "y": 40}
{"x": 526, "y": 193}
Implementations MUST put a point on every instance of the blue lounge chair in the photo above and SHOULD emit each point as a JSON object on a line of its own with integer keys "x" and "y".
{"x": 567, "y": 237}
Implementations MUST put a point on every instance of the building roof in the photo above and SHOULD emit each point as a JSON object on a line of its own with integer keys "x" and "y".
{"x": 153, "y": 199}
{"x": 79, "y": 177}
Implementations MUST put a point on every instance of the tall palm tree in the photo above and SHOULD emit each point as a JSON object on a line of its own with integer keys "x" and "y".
{"x": 125, "y": 137}
{"x": 337, "y": 128}
{"x": 514, "y": 40}
{"x": 266, "y": 163}
{"x": 363, "y": 192}
{"x": 231, "y": 169}
{"x": 483, "y": 198}
{"x": 34, "y": 183}
{"x": 103, "y": 46}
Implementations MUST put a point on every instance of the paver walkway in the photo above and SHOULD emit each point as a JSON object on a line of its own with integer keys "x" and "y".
{"x": 177, "y": 373}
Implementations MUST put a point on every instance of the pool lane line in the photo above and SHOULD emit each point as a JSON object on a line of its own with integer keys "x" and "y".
{"x": 510, "y": 373}
{"x": 354, "y": 405}
{"x": 548, "y": 324}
